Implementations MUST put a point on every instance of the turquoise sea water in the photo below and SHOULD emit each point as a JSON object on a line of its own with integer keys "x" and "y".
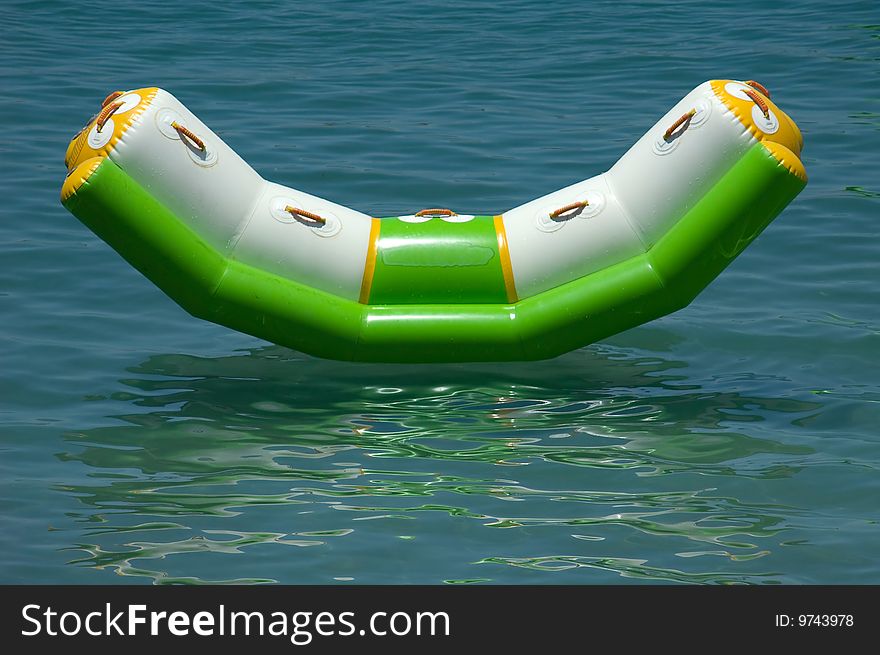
{"x": 737, "y": 441}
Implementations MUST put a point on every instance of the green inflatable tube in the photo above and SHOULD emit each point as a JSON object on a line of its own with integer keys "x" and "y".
{"x": 406, "y": 312}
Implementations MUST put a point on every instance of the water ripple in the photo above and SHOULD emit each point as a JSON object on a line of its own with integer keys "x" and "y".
{"x": 733, "y": 442}
{"x": 207, "y": 448}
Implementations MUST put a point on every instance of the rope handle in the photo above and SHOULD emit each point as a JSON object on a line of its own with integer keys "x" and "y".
{"x": 569, "y": 207}
{"x": 105, "y": 114}
{"x": 296, "y": 211}
{"x": 111, "y": 97}
{"x": 686, "y": 117}
{"x": 758, "y": 100}
{"x": 759, "y": 86}
{"x": 436, "y": 211}
{"x": 184, "y": 132}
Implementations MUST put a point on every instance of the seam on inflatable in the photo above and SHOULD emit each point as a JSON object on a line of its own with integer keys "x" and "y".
{"x": 657, "y": 276}
{"x": 220, "y": 278}
{"x": 632, "y": 224}
{"x": 117, "y": 153}
{"x": 241, "y": 228}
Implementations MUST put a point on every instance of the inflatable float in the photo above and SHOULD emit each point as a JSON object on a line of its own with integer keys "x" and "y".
{"x": 557, "y": 273}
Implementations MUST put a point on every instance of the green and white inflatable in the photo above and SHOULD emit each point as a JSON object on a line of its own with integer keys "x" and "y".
{"x": 557, "y": 273}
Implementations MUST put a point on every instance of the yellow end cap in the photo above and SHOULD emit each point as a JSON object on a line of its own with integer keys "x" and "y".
{"x": 786, "y": 158}
{"x": 79, "y": 149}
{"x": 788, "y": 133}
{"x": 78, "y": 176}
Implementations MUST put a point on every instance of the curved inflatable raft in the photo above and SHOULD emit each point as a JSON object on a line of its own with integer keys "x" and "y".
{"x": 557, "y": 273}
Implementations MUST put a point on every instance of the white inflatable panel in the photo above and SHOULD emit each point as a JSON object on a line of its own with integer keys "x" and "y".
{"x": 330, "y": 258}
{"x": 545, "y": 253}
{"x": 659, "y": 182}
{"x": 214, "y": 192}
{"x": 630, "y": 207}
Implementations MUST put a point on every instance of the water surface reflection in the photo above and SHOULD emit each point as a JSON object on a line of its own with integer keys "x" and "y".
{"x": 602, "y": 464}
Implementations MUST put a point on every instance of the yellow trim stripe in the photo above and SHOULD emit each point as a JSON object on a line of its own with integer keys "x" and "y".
{"x": 504, "y": 254}
{"x": 370, "y": 263}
